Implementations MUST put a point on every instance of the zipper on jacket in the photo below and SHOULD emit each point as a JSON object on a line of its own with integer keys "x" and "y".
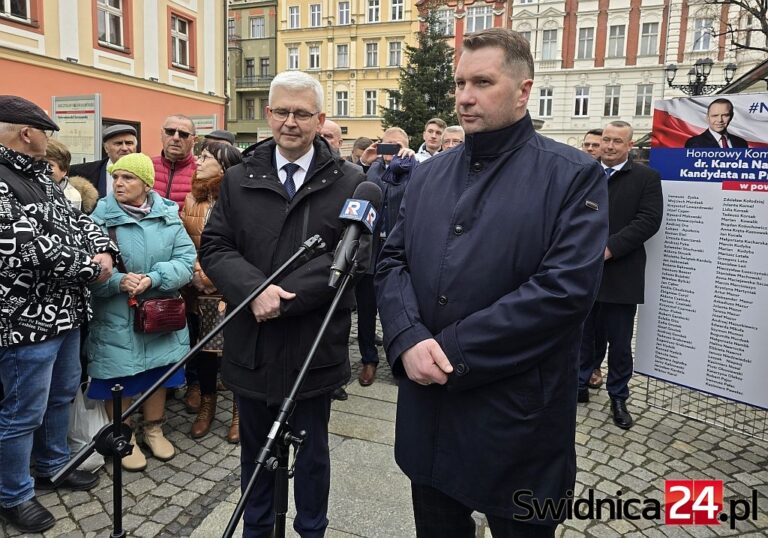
{"x": 170, "y": 180}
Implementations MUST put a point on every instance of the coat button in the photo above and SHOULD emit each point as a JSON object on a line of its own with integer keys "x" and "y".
{"x": 477, "y": 166}
{"x": 442, "y": 300}
{"x": 458, "y": 229}
{"x": 460, "y": 369}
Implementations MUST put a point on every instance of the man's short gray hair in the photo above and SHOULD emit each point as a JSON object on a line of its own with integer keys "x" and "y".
{"x": 454, "y": 129}
{"x": 297, "y": 81}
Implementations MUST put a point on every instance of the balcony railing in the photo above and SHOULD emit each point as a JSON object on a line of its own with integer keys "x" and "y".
{"x": 260, "y": 82}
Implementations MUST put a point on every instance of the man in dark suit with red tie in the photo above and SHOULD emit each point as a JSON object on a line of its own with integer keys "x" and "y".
{"x": 719, "y": 116}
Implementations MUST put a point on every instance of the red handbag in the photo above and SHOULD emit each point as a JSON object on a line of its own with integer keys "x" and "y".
{"x": 160, "y": 315}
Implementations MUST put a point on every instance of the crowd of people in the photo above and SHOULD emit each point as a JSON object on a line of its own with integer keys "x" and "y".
{"x": 503, "y": 265}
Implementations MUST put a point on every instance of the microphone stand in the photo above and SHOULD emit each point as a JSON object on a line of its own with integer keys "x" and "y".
{"x": 280, "y": 436}
{"x": 114, "y": 439}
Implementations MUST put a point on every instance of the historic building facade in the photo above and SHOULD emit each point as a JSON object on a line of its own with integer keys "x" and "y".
{"x": 144, "y": 59}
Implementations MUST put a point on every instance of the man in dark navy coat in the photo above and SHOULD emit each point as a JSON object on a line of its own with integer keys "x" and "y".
{"x": 118, "y": 140}
{"x": 482, "y": 289}
{"x": 719, "y": 117}
{"x": 635, "y": 207}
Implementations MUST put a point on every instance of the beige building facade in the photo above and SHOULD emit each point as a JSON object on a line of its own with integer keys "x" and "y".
{"x": 251, "y": 34}
{"x": 355, "y": 48}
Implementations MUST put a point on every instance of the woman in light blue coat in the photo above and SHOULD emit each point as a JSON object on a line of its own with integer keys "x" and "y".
{"x": 158, "y": 256}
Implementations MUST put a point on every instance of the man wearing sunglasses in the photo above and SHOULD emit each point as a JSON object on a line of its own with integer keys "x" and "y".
{"x": 176, "y": 164}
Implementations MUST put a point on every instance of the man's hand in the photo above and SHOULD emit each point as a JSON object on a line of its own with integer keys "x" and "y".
{"x": 369, "y": 155}
{"x": 425, "y": 363}
{"x": 267, "y": 305}
{"x": 405, "y": 153}
{"x": 105, "y": 261}
{"x": 607, "y": 254}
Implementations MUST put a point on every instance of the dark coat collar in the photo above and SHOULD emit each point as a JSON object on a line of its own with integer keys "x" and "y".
{"x": 492, "y": 143}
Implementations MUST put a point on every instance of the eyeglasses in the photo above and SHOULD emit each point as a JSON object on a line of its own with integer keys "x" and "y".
{"x": 182, "y": 134}
{"x": 47, "y": 132}
{"x": 203, "y": 157}
{"x": 281, "y": 114}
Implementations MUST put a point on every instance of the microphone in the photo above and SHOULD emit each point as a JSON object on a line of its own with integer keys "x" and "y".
{"x": 361, "y": 213}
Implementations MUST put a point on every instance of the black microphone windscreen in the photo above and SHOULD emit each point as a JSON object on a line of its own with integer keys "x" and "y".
{"x": 367, "y": 190}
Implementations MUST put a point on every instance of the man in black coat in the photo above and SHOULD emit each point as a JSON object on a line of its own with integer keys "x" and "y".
{"x": 482, "y": 288}
{"x": 287, "y": 189}
{"x": 635, "y": 208}
{"x": 719, "y": 117}
{"x": 118, "y": 140}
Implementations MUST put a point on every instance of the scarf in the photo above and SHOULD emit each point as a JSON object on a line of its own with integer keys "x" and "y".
{"x": 139, "y": 212}
{"x": 399, "y": 170}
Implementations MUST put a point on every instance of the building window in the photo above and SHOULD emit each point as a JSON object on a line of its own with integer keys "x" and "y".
{"x": 180, "y": 42}
{"x": 314, "y": 57}
{"x": 393, "y": 103}
{"x": 371, "y": 102}
{"x": 371, "y": 54}
{"x": 479, "y": 18}
{"x": 342, "y": 103}
{"x": 342, "y": 55}
{"x": 445, "y": 21}
{"x": 586, "y": 41}
{"x": 293, "y": 57}
{"x": 293, "y": 17}
{"x": 545, "y": 102}
{"x": 526, "y": 35}
{"x": 343, "y": 12}
{"x": 649, "y": 36}
{"x": 612, "y": 100}
{"x": 250, "y": 109}
{"x": 581, "y": 107}
{"x": 264, "y": 66}
{"x": 526, "y": 1}
{"x": 643, "y": 106}
{"x": 110, "y": 21}
{"x": 250, "y": 67}
{"x": 702, "y": 34}
{"x": 395, "y": 53}
{"x": 616, "y": 41}
{"x": 18, "y": 9}
{"x": 398, "y": 10}
{"x": 231, "y": 28}
{"x": 549, "y": 45}
{"x": 374, "y": 10}
{"x": 258, "y": 31}
{"x": 314, "y": 15}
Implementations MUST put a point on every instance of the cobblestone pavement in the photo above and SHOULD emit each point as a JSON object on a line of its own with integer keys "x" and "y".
{"x": 173, "y": 498}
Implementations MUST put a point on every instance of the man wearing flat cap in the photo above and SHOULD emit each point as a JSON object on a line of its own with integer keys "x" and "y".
{"x": 49, "y": 253}
{"x": 118, "y": 140}
{"x": 220, "y": 135}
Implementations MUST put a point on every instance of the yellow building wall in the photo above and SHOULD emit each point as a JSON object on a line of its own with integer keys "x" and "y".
{"x": 357, "y": 78}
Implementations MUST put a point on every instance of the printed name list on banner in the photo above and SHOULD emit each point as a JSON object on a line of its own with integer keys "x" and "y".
{"x": 704, "y": 324}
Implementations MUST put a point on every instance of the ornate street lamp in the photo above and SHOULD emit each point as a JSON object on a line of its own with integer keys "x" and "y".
{"x": 697, "y": 77}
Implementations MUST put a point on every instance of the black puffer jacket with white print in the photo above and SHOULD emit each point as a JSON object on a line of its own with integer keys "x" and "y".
{"x": 46, "y": 249}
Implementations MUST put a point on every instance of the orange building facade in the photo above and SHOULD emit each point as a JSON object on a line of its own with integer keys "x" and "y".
{"x": 144, "y": 60}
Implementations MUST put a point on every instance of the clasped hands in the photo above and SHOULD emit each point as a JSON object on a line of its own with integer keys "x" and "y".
{"x": 267, "y": 305}
{"x": 135, "y": 284}
{"x": 426, "y": 363}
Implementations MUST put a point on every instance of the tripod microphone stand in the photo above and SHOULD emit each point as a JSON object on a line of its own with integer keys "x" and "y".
{"x": 114, "y": 439}
{"x": 280, "y": 437}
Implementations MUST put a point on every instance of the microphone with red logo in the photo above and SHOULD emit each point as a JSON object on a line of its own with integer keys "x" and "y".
{"x": 361, "y": 213}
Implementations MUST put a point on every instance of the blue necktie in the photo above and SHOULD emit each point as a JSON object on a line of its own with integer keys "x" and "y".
{"x": 290, "y": 186}
{"x": 609, "y": 172}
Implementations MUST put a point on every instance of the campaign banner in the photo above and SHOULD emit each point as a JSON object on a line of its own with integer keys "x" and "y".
{"x": 704, "y": 323}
